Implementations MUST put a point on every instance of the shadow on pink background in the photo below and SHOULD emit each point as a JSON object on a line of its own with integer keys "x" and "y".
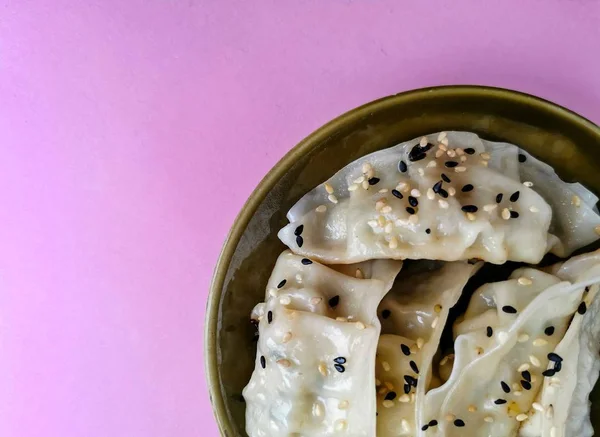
{"x": 133, "y": 131}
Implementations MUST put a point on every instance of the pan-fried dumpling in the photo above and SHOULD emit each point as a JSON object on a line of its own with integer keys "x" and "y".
{"x": 505, "y": 352}
{"x": 413, "y": 316}
{"x": 568, "y": 391}
{"x": 318, "y": 330}
{"x": 449, "y": 196}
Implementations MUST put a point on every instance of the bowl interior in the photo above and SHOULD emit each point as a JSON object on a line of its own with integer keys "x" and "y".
{"x": 564, "y": 140}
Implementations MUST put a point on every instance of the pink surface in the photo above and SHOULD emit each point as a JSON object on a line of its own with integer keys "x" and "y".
{"x": 131, "y": 134}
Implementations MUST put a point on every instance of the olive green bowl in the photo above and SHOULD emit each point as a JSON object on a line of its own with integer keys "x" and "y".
{"x": 568, "y": 142}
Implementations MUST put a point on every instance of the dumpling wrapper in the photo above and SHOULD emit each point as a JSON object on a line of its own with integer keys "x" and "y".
{"x": 568, "y": 392}
{"x": 517, "y": 314}
{"x": 363, "y": 212}
{"x": 315, "y": 363}
{"x": 413, "y": 316}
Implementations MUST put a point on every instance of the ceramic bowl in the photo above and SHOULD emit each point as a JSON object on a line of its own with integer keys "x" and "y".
{"x": 563, "y": 139}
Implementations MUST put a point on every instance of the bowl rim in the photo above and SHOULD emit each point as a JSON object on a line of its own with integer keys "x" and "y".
{"x": 284, "y": 164}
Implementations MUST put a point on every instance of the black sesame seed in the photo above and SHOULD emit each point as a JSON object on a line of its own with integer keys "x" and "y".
{"x": 397, "y": 194}
{"x": 451, "y": 164}
{"x": 339, "y": 368}
{"x": 470, "y": 151}
{"x": 410, "y": 380}
{"x": 299, "y": 230}
{"x": 549, "y": 330}
{"x": 405, "y": 349}
{"x": 515, "y": 196}
{"x": 582, "y": 308}
{"x": 554, "y": 357}
{"x": 509, "y": 309}
{"x": 505, "y": 387}
{"x": 402, "y": 166}
{"x": 459, "y": 423}
{"x": 446, "y": 178}
{"x": 522, "y": 158}
{"x": 500, "y": 401}
{"x": 499, "y": 197}
{"x": 333, "y": 302}
{"x": 428, "y": 231}
{"x": 413, "y": 366}
{"x": 390, "y": 396}
{"x": 437, "y": 187}
{"x": 410, "y": 210}
{"x": 374, "y": 181}
{"x": 587, "y": 288}
{"x": 281, "y": 284}
{"x": 306, "y": 261}
{"x": 526, "y": 384}
{"x": 406, "y": 388}
{"x": 558, "y": 366}
{"x": 489, "y": 331}
{"x": 416, "y": 153}
{"x": 412, "y": 201}
{"x": 263, "y": 362}
{"x": 386, "y": 313}
{"x": 467, "y": 188}
{"x": 270, "y": 317}
{"x": 416, "y": 157}
{"x": 340, "y": 360}
{"x": 526, "y": 375}
{"x": 443, "y": 193}
{"x": 549, "y": 372}
{"x": 469, "y": 208}
{"x": 299, "y": 241}
{"x": 424, "y": 427}
{"x": 433, "y": 422}
{"x": 514, "y": 214}
{"x": 426, "y": 147}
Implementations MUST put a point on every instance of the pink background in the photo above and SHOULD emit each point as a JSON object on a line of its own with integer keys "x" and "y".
{"x": 131, "y": 133}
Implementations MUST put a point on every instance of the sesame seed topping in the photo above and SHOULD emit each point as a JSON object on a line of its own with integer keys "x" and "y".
{"x": 407, "y": 389}
{"x": 597, "y": 229}
{"x": 576, "y": 200}
{"x": 451, "y": 153}
{"x": 499, "y": 197}
{"x": 404, "y": 398}
{"x": 352, "y": 187}
{"x": 540, "y": 342}
{"x": 505, "y": 387}
{"x": 522, "y": 338}
{"x": 284, "y": 363}
{"x": 286, "y": 337}
{"x": 413, "y": 366}
{"x": 410, "y": 209}
{"x": 509, "y": 309}
{"x": 443, "y": 204}
{"x": 437, "y": 186}
{"x": 359, "y": 274}
{"x": 526, "y": 384}
{"x": 521, "y": 417}
{"x": 390, "y": 396}
{"x": 393, "y": 243}
{"x": 443, "y": 193}
{"x": 415, "y": 193}
{"x": 466, "y": 188}
{"x": 402, "y": 167}
{"x": 340, "y": 360}
{"x": 433, "y": 422}
{"x": 328, "y": 188}
{"x": 386, "y": 366}
{"x": 431, "y": 164}
{"x": 451, "y": 164}
{"x": 514, "y": 214}
{"x": 263, "y": 362}
{"x": 397, "y": 194}
{"x": 524, "y": 281}
{"x": 472, "y": 217}
{"x": 488, "y": 419}
{"x": 552, "y": 356}
{"x": 306, "y": 261}
{"x": 299, "y": 241}
{"x": 500, "y": 401}
{"x": 522, "y": 158}
{"x": 435, "y": 322}
{"x": 332, "y": 198}
{"x": 460, "y": 169}
{"x": 549, "y": 330}
{"x": 386, "y": 209}
{"x": 359, "y": 180}
{"x": 343, "y": 405}
{"x": 472, "y": 408}
{"x": 423, "y": 141}
{"x": 449, "y": 417}
{"x": 459, "y": 423}
{"x": 515, "y": 196}
{"x": 470, "y": 151}
{"x": 538, "y": 407}
{"x": 321, "y": 208}
{"x": 425, "y": 427}
{"x": 439, "y": 153}
{"x": 506, "y": 214}
{"x": 366, "y": 167}
{"x": 489, "y": 331}
{"x": 374, "y": 181}
{"x": 387, "y": 404}
{"x": 490, "y": 207}
{"x": 534, "y": 360}
{"x": 445, "y": 178}
{"x": 441, "y": 136}
{"x": 315, "y": 300}
{"x": 428, "y": 231}
{"x": 412, "y": 202}
{"x": 340, "y": 425}
{"x": 451, "y": 191}
{"x": 550, "y": 412}
{"x": 526, "y": 375}
{"x": 339, "y": 368}
{"x": 365, "y": 185}
{"x": 523, "y": 368}
{"x": 270, "y": 317}
{"x": 437, "y": 308}
{"x": 469, "y": 208}
{"x": 528, "y": 184}
{"x": 334, "y": 301}
{"x": 517, "y": 393}
{"x": 410, "y": 380}
{"x": 582, "y": 308}
{"x": 485, "y": 156}
{"x": 298, "y": 230}
{"x": 383, "y": 190}
{"x": 420, "y": 342}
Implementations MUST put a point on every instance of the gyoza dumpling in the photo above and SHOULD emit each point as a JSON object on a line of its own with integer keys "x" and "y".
{"x": 318, "y": 330}
{"x": 446, "y": 197}
{"x": 504, "y": 352}
{"x": 413, "y": 316}
{"x": 568, "y": 390}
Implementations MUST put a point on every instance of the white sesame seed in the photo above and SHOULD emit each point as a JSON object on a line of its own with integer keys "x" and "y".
{"x": 515, "y": 386}
{"x": 382, "y": 390}
{"x": 415, "y": 193}
{"x": 451, "y": 191}
{"x": 328, "y": 188}
{"x": 451, "y": 153}
{"x": 286, "y": 337}
{"x": 359, "y": 274}
{"x": 365, "y": 185}
{"x": 431, "y": 164}
{"x": 383, "y": 190}
{"x": 502, "y": 336}
{"x": 437, "y": 308}
{"x": 380, "y": 204}
{"x": 460, "y": 169}
{"x": 423, "y": 141}
{"x": 341, "y": 319}
{"x": 597, "y": 230}
{"x": 403, "y": 186}
{"x": 332, "y": 198}
{"x": 533, "y": 379}
{"x": 413, "y": 348}
{"x": 284, "y": 363}
{"x": 377, "y": 382}
{"x": 413, "y": 219}
{"x": 450, "y": 417}
{"x": 479, "y": 350}
{"x": 405, "y": 426}
{"x": 533, "y": 360}
{"x": 550, "y": 412}
{"x": 506, "y": 214}
{"x": 321, "y": 208}
{"x": 366, "y": 167}
{"x": 517, "y": 393}
{"x": 360, "y": 326}
{"x": 404, "y": 398}
{"x": 352, "y": 187}
{"x": 488, "y": 419}
{"x": 443, "y": 204}
{"x": 443, "y": 147}
{"x": 463, "y": 159}
{"x": 389, "y": 385}
{"x": 459, "y": 151}
{"x": 430, "y": 194}
{"x": 522, "y": 338}
{"x": 538, "y": 407}
{"x": 444, "y": 361}
{"x": 420, "y": 171}
{"x": 298, "y": 277}
{"x": 273, "y": 292}
{"x": 523, "y": 367}
{"x": 441, "y": 136}
{"x": 445, "y": 141}
{"x": 472, "y": 408}
{"x": 485, "y": 156}
{"x": 472, "y": 217}
{"x": 435, "y": 322}
{"x": 490, "y": 207}
{"x": 373, "y": 223}
{"x": 524, "y": 281}
{"x": 359, "y": 180}
{"x": 285, "y": 300}
{"x": 386, "y": 366}
{"x": 323, "y": 369}
{"x": 386, "y": 209}
{"x": 533, "y": 209}
{"x": 540, "y": 342}
{"x": 393, "y": 244}
{"x": 439, "y": 152}
{"x": 340, "y": 425}
{"x": 343, "y": 405}
{"x": 484, "y": 163}
{"x": 413, "y": 398}
{"x": 528, "y": 184}
{"x": 387, "y": 403}
{"x": 576, "y": 200}
{"x": 522, "y": 417}
{"x": 370, "y": 174}
{"x": 315, "y": 300}
{"x": 555, "y": 380}
{"x": 420, "y": 342}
